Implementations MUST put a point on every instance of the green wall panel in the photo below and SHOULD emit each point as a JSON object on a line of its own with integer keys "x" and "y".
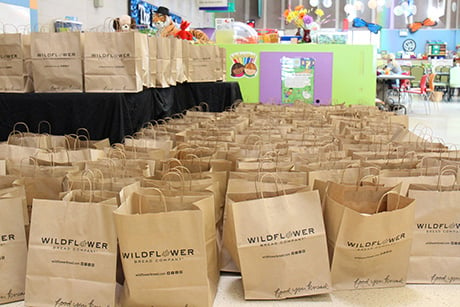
{"x": 353, "y": 72}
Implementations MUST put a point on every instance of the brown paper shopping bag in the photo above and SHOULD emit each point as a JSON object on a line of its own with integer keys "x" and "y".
{"x": 201, "y": 63}
{"x": 115, "y": 61}
{"x": 163, "y": 62}
{"x": 282, "y": 246}
{"x": 245, "y": 190}
{"x": 169, "y": 254}
{"x": 435, "y": 257}
{"x": 370, "y": 233}
{"x": 57, "y": 61}
{"x": 15, "y": 69}
{"x": 72, "y": 250}
{"x": 13, "y": 251}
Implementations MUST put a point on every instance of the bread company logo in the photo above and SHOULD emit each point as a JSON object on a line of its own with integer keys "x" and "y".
{"x": 376, "y": 243}
{"x": 9, "y": 56}
{"x": 110, "y": 55}
{"x": 158, "y": 255}
{"x": 6, "y": 238}
{"x": 56, "y": 55}
{"x": 76, "y": 245}
{"x": 275, "y": 238}
{"x": 439, "y": 227}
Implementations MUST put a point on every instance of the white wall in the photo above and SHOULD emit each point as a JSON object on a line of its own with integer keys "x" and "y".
{"x": 50, "y": 10}
{"x": 84, "y": 10}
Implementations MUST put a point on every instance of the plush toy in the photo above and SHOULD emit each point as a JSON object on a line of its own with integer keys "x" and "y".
{"x": 166, "y": 27}
{"x": 124, "y": 23}
{"x": 183, "y": 33}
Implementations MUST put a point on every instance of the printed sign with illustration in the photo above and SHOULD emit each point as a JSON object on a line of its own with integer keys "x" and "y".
{"x": 243, "y": 65}
{"x": 297, "y": 79}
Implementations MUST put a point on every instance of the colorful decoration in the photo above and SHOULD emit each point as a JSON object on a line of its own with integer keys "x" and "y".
{"x": 183, "y": 33}
{"x": 303, "y": 18}
{"x": 244, "y": 65}
{"x": 374, "y": 28}
{"x": 124, "y": 23}
{"x": 166, "y": 27}
{"x": 415, "y": 26}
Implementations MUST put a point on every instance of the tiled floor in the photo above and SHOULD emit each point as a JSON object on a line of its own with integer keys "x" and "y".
{"x": 443, "y": 122}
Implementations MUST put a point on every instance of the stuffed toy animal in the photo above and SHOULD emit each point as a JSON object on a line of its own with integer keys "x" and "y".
{"x": 166, "y": 27}
{"x": 183, "y": 33}
{"x": 124, "y": 23}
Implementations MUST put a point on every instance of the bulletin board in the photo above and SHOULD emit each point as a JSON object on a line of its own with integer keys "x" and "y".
{"x": 342, "y": 74}
{"x": 288, "y": 77}
{"x": 18, "y": 15}
{"x": 297, "y": 79}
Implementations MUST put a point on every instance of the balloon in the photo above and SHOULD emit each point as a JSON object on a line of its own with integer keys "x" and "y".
{"x": 380, "y": 3}
{"x": 372, "y": 4}
{"x": 359, "y": 6}
{"x": 314, "y": 2}
{"x": 349, "y": 8}
{"x": 398, "y": 10}
{"x": 327, "y": 3}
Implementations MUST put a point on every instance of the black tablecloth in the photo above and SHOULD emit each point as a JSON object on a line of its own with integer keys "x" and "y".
{"x": 110, "y": 115}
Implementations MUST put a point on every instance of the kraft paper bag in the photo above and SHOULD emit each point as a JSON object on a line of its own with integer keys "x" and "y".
{"x": 72, "y": 250}
{"x": 221, "y": 64}
{"x": 13, "y": 251}
{"x": 282, "y": 246}
{"x": 163, "y": 61}
{"x": 168, "y": 253}
{"x": 434, "y": 256}
{"x": 179, "y": 60}
{"x": 57, "y": 61}
{"x": 173, "y": 43}
{"x": 406, "y": 181}
{"x": 244, "y": 190}
{"x": 15, "y": 69}
{"x": 16, "y": 192}
{"x": 116, "y": 61}
{"x": 370, "y": 234}
{"x": 152, "y": 55}
{"x": 201, "y": 63}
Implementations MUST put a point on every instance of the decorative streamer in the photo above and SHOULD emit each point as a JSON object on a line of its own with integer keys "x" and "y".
{"x": 374, "y": 28}
{"x": 415, "y": 26}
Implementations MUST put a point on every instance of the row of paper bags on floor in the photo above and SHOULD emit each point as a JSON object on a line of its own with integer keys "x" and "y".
{"x": 103, "y": 62}
{"x": 285, "y": 240}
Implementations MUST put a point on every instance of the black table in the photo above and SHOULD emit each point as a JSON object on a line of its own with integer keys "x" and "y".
{"x": 110, "y": 115}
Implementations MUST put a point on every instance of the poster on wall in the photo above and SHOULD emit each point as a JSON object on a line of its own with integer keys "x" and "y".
{"x": 297, "y": 79}
{"x": 244, "y": 65}
{"x": 289, "y": 76}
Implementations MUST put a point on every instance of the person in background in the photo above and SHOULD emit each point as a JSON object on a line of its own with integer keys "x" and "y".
{"x": 392, "y": 67}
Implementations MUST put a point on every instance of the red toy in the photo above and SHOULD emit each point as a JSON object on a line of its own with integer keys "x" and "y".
{"x": 183, "y": 33}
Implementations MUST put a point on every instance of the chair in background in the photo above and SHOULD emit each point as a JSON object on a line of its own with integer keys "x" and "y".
{"x": 405, "y": 68}
{"x": 441, "y": 81}
{"x": 417, "y": 71}
{"x": 422, "y": 92}
{"x": 433, "y": 95}
{"x": 454, "y": 81}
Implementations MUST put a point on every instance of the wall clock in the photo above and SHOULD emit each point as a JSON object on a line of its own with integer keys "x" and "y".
{"x": 409, "y": 45}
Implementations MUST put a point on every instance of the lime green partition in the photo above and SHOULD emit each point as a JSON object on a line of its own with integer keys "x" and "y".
{"x": 353, "y": 69}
